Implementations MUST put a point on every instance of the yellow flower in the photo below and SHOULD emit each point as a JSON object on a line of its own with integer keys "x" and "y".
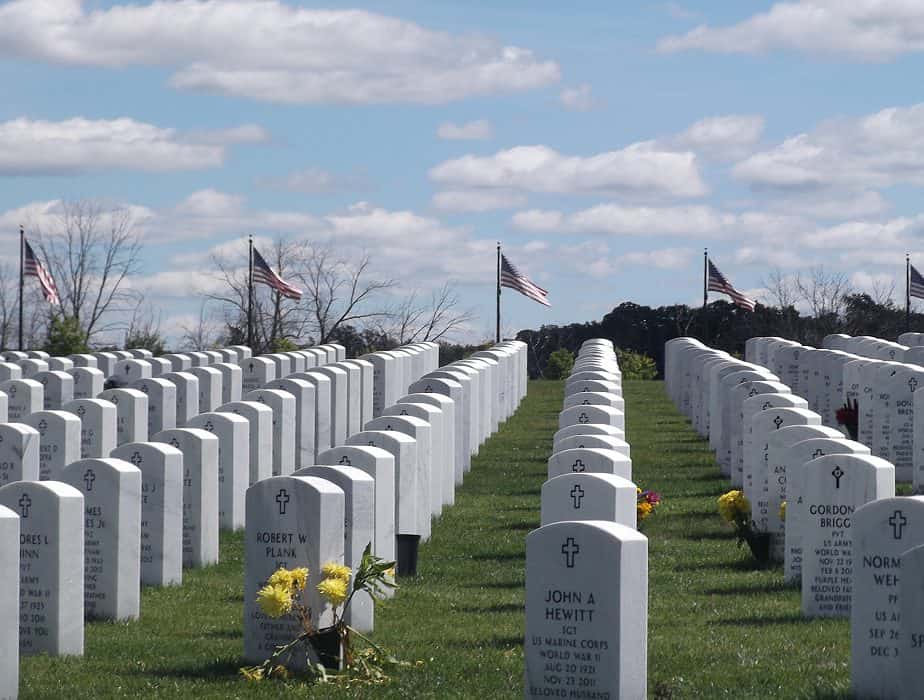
{"x": 279, "y": 671}
{"x": 281, "y": 577}
{"x": 643, "y": 510}
{"x": 334, "y": 590}
{"x": 783, "y": 511}
{"x": 275, "y": 601}
{"x": 334, "y": 570}
{"x": 390, "y": 573}
{"x": 299, "y": 578}
{"x": 254, "y": 673}
{"x": 733, "y": 506}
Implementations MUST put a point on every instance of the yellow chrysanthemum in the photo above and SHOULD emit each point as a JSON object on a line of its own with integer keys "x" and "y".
{"x": 390, "y": 573}
{"x": 643, "y": 510}
{"x": 733, "y": 506}
{"x": 254, "y": 673}
{"x": 783, "y": 511}
{"x": 275, "y": 601}
{"x": 299, "y": 578}
{"x": 334, "y": 590}
{"x": 334, "y": 570}
{"x": 281, "y": 577}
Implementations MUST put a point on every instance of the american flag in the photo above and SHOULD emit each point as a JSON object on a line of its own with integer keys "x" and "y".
{"x": 916, "y": 284}
{"x": 511, "y": 277}
{"x": 718, "y": 283}
{"x": 33, "y": 268}
{"x": 264, "y": 273}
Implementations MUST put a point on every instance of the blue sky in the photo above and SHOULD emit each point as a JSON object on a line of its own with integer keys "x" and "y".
{"x": 605, "y": 144}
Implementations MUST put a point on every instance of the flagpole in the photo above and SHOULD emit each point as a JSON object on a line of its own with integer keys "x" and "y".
{"x": 498, "y": 333}
{"x": 22, "y": 262}
{"x": 907, "y": 292}
{"x": 705, "y": 294}
{"x": 250, "y": 293}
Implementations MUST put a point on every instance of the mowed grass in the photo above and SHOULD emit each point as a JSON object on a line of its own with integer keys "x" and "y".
{"x": 717, "y": 626}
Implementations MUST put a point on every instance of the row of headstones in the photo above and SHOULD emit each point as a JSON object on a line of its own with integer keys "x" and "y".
{"x": 587, "y": 565}
{"x": 845, "y": 534}
{"x": 879, "y": 375}
{"x": 411, "y": 457}
{"x": 203, "y": 492}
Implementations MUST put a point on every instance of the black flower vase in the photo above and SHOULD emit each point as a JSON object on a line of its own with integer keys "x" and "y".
{"x": 759, "y": 542}
{"x": 327, "y": 645}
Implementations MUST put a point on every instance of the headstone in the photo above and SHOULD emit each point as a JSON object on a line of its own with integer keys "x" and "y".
{"x": 911, "y": 595}
{"x": 282, "y": 404}
{"x": 111, "y": 491}
{"x": 233, "y": 433}
{"x": 305, "y": 404}
{"x": 9, "y": 604}
{"x": 366, "y": 373}
{"x": 209, "y": 388}
{"x": 83, "y": 360}
{"x": 338, "y": 402}
{"x": 231, "y": 381}
{"x": 833, "y": 487}
{"x": 59, "y": 441}
{"x": 32, "y": 366}
{"x": 322, "y": 409}
{"x": 200, "y": 493}
{"x": 448, "y": 458}
{"x": 380, "y": 465}
{"x": 127, "y": 372}
{"x": 410, "y": 498}
{"x": 131, "y": 414}
{"x": 358, "y": 529}
{"x": 295, "y": 521}
{"x": 586, "y": 595}
{"x": 105, "y": 362}
{"x": 88, "y": 382}
{"x": 187, "y": 395}
{"x": 178, "y": 362}
{"x": 454, "y": 390}
{"x": 282, "y": 362}
{"x": 438, "y": 468}
{"x": 50, "y": 566}
{"x": 97, "y": 426}
{"x": 8, "y": 370}
{"x": 589, "y": 496}
{"x": 882, "y": 531}
{"x": 19, "y": 453}
{"x": 579, "y": 415}
{"x": 593, "y": 460}
{"x": 353, "y": 398}
{"x": 161, "y": 509}
{"x": 57, "y": 388}
{"x": 789, "y": 468}
{"x": 256, "y": 372}
{"x": 420, "y": 431}
{"x": 24, "y": 396}
{"x": 585, "y": 429}
{"x": 161, "y": 395}
{"x": 260, "y": 422}
{"x": 384, "y": 387}
{"x": 159, "y": 366}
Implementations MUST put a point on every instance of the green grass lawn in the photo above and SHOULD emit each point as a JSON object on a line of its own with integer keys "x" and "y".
{"x": 718, "y": 627}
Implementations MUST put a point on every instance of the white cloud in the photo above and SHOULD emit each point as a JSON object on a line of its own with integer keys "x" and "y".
{"x": 478, "y": 130}
{"x": 315, "y": 181}
{"x": 594, "y": 259}
{"x": 643, "y": 169}
{"x": 577, "y": 99}
{"x": 768, "y": 256}
{"x": 865, "y": 30}
{"x": 690, "y": 221}
{"x": 31, "y": 147}
{"x": 726, "y": 136}
{"x": 825, "y": 205}
{"x": 477, "y": 200}
{"x": 268, "y": 50}
{"x": 877, "y": 150}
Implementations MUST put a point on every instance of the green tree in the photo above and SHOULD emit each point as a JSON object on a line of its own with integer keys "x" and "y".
{"x": 65, "y": 337}
{"x": 147, "y": 339}
{"x": 559, "y": 365}
{"x": 635, "y": 365}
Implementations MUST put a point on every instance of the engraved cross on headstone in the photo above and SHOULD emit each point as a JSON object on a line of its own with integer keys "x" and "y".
{"x": 766, "y": 405}
{"x": 570, "y": 549}
{"x": 43, "y": 425}
{"x": 24, "y": 504}
{"x": 282, "y": 498}
{"x": 583, "y": 418}
{"x": 585, "y": 402}
{"x": 913, "y": 384}
{"x": 429, "y": 389}
{"x": 778, "y": 421}
{"x": 577, "y": 493}
{"x": 345, "y": 460}
{"x": 578, "y": 466}
{"x": 136, "y": 458}
{"x": 175, "y": 443}
{"x": 898, "y": 522}
{"x": 818, "y": 453}
{"x": 89, "y": 477}
{"x": 837, "y": 473}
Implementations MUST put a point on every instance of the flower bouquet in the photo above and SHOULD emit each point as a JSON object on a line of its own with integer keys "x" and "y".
{"x": 848, "y": 415}
{"x": 735, "y": 509}
{"x": 337, "y": 652}
{"x": 646, "y": 502}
